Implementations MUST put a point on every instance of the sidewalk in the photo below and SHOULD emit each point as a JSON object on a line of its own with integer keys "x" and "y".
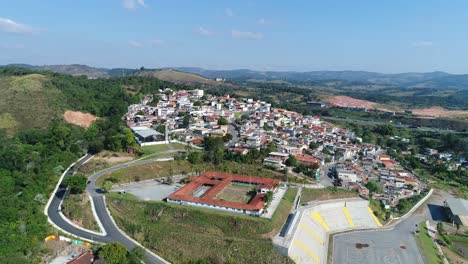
{"x": 277, "y": 197}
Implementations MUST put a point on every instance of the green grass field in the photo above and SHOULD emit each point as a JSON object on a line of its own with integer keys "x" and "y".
{"x": 238, "y": 193}
{"x": 184, "y": 234}
{"x": 78, "y": 209}
{"x": 424, "y": 241}
{"x": 328, "y": 193}
{"x": 155, "y": 149}
{"x": 167, "y": 168}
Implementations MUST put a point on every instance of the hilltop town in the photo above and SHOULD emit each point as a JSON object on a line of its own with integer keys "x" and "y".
{"x": 314, "y": 150}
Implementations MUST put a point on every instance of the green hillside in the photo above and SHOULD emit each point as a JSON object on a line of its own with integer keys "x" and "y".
{"x": 28, "y": 101}
{"x": 38, "y": 147}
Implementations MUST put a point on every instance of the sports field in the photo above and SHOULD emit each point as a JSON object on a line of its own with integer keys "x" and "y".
{"x": 237, "y": 192}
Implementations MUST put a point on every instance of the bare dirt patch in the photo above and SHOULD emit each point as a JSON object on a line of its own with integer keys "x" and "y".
{"x": 113, "y": 157}
{"x": 436, "y": 111}
{"x": 79, "y": 118}
{"x": 346, "y": 101}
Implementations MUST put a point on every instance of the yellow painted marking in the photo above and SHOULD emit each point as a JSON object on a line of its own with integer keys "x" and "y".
{"x": 348, "y": 216}
{"x": 319, "y": 219}
{"x": 314, "y": 257}
{"x": 311, "y": 233}
{"x": 375, "y": 217}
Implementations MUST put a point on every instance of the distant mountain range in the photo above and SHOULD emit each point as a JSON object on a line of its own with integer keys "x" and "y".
{"x": 401, "y": 80}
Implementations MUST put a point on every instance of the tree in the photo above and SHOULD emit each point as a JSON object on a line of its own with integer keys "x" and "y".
{"x": 107, "y": 186}
{"x": 77, "y": 183}
{"x": 137, "y": 255}
{"x": 227, "y": 137}
{"x": 113, "y": 253}
{"x": 291, "y": 161}
{"x": 313, "y": 145}
{"x": 195, "y": 157}
{"x": 186, "y": 121}
{"x": 373, "y": 186}
{"x": 222, "y": 121}
{"x": 268, "y": 196}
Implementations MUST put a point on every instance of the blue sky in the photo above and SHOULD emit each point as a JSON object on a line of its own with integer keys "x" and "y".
{"x": 383, "y": 36}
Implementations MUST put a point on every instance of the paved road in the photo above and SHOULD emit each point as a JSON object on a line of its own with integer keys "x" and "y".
{"x": 392, "y": 246}
{"x": 113, "y": 233}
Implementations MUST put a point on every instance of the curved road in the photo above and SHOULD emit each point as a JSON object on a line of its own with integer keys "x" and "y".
{"x": 113, "y": 234}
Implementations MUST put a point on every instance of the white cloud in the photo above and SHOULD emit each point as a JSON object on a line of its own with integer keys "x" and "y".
{"x": 246, "y": 34}
{"x": 262, "y": 21}
{"x": 133, "y": 4}
{"x": 204, "y": 32}
{"x": 229, "y": 12}
{"x": 10, "y": 26}
{"x": 422, "y": 44}
{"x": 156, "y": 42}
{"x": 135, "y": 44}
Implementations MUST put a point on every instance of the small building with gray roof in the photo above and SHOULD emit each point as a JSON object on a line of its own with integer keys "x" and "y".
{"x": 458, "y": 210}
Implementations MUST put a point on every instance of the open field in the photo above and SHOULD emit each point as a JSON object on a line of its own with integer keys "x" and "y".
{"x": 424, "y": 241}
{"x": 309, "y": 195}
{"x": 167, "y": 168}
{"x": 150, "y": 150}
{"x": 238, "y": 193}
{"x": 183, "y": 234}
{"x": 78, "y": 209}
{"x": 103, "y": 160}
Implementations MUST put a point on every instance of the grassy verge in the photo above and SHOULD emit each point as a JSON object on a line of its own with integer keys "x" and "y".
{"x": 183, "y": 234}
{"x": 378, "y": 210}
{"x": 77, "y": 208}
{"x": 166, "y": 168}
{"x": 149, "y": 150}
{"x": 428, "y": 249}
{"x": 309, "y": 195}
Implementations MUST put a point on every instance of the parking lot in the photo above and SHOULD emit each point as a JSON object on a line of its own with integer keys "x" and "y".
{"x": 148, "y": 190}
{"x": 385, "y": 247}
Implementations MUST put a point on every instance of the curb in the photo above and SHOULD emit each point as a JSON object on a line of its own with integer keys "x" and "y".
{"x": 79, "y": 227}
{"x": 125, "y": 234}
{"x": 46, "y": 208}
{"x": 103, "y": 230}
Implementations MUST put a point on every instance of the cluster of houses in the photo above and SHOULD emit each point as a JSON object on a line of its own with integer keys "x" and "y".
{"x": 190, "y": 116}
{"x": 395, "y": 181}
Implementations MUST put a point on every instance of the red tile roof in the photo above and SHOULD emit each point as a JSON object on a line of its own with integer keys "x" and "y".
{"x": 306, "y": 159}
{"x": 218, "y": 181}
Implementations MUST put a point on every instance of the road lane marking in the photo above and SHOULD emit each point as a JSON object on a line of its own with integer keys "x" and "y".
{"x": 311, "y": 233}
{"x": 348, "y": 216}
{"x": 320, "y": 220}
{"x": 303, "y": 247}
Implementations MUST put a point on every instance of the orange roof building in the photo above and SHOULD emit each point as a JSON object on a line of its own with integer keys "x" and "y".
{"x": 204, "y": 190}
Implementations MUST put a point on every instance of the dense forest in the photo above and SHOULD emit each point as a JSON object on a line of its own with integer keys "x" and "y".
{"x": 32, "y": 160}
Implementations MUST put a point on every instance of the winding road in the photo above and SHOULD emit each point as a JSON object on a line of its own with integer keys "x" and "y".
{"x": 111, "y": 232}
